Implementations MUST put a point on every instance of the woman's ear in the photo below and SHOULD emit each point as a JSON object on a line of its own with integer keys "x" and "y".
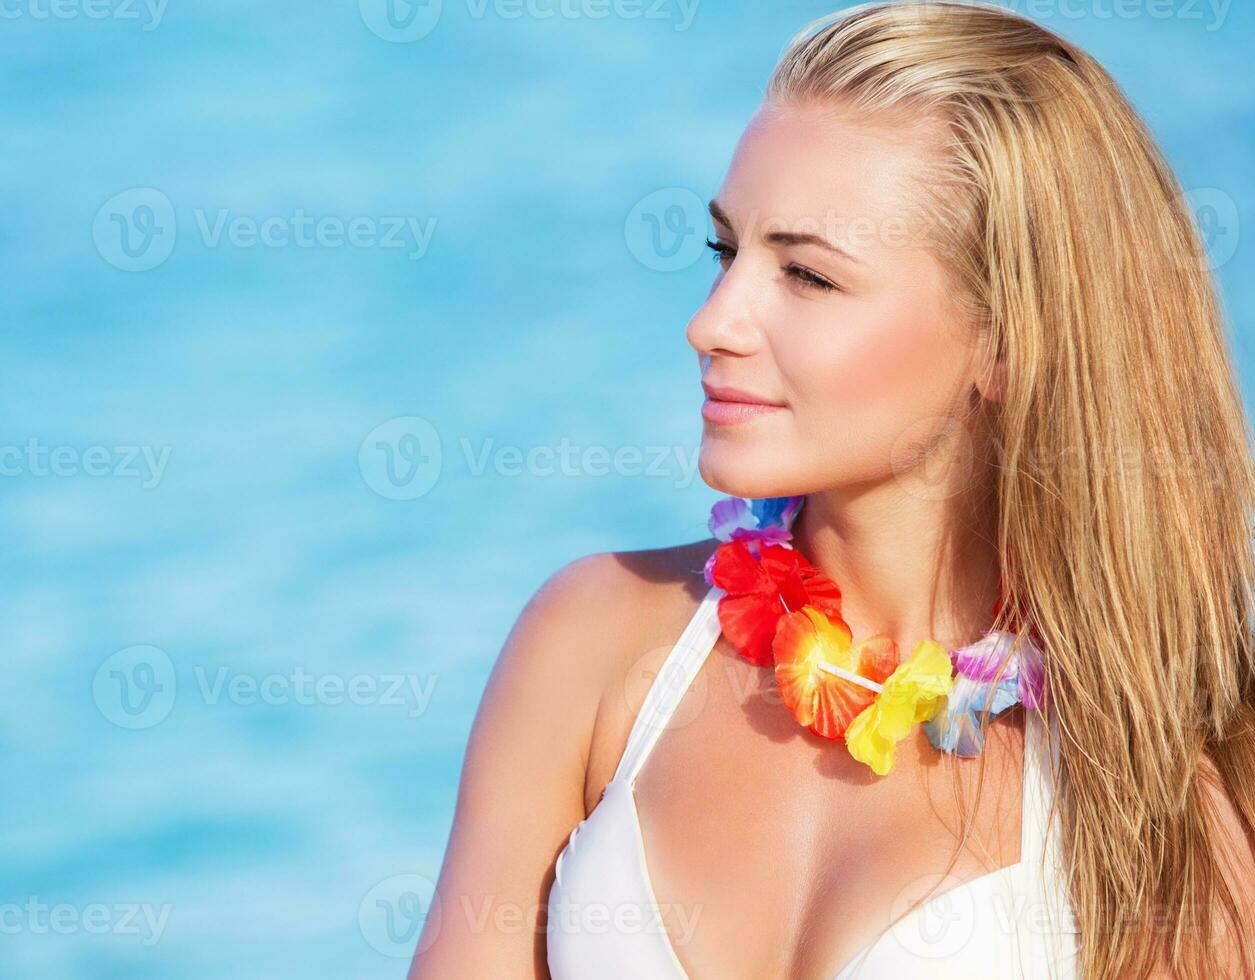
{"x": 991, "y": 377}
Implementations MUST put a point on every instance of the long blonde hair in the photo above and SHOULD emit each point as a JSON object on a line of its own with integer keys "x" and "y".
{"x": 1125, "y": 485}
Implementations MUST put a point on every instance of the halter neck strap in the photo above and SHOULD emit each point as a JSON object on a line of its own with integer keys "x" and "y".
{"x": 674, "y": 677}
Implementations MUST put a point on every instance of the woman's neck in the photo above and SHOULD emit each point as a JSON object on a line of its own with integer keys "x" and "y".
{"x": 911, "y": 567}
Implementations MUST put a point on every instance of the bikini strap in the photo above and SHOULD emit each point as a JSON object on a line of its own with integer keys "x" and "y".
{"x": 667, "y": 689}
{"x": 1038, "y": 790}
{"x": 1041, "y": 849}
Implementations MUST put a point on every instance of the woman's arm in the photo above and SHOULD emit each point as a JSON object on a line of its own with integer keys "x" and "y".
{"x": 1233, "y": 847}
{"x": 1234, "y": 850}
{"x": 522, "y": 785}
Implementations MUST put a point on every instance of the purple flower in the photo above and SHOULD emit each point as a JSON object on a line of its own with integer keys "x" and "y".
{"x": 979, "y": 661}
{"x": 732, "y": 519}
{"x": 958, "y": 726}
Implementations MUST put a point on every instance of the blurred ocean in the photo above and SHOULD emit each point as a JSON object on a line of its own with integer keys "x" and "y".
{"x": 330, "y": 331}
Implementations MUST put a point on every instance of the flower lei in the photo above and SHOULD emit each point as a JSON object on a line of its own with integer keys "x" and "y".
{"x": 779, "y": 611}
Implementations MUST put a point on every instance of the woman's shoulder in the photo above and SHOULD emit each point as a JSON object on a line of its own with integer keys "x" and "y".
{"x": 594, "y": 633}
{"x": 597, "y": 613}
{"x": 623, "y": 590}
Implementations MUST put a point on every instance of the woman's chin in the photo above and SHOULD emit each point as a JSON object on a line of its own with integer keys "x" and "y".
{"x": 740, "y": 472}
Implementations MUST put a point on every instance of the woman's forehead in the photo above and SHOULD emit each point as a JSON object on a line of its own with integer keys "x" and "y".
{"x": 801, "y": 168}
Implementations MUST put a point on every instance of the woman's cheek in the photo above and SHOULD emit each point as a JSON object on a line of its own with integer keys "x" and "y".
{"x": 858, "y": 395}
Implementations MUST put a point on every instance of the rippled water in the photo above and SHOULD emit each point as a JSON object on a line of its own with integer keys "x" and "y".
{"x": 329, "y": 332}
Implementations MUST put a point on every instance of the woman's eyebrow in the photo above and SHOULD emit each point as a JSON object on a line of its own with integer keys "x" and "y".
{"x": 718, "y": 214}
{"x": 805, "y": 238}
{"x": 785, "y": 238}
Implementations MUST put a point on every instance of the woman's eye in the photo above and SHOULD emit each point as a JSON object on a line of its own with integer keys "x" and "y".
{"x": 812, "y": 280}
{"x": 722, "y": 253}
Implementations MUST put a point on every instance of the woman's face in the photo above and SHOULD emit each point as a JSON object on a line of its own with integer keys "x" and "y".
{"x": 827, "y": 306}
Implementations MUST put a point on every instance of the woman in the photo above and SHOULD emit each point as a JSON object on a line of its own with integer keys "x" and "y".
{"x": 962, "y": 313}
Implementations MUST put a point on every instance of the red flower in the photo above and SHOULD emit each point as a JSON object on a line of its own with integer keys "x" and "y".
{"x": 761, "y": 590}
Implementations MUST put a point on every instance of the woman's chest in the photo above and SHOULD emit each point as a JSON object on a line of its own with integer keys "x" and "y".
{"x": 773, "y": 852}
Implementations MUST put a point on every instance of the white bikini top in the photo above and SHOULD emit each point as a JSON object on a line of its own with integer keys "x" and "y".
{"x": 605, "y": 922}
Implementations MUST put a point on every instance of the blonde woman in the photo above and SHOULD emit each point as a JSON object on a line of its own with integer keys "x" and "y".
{"x": 961, "y": 312}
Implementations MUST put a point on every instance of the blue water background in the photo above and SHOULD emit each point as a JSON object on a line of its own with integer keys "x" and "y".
{"x": 156, "y": 618}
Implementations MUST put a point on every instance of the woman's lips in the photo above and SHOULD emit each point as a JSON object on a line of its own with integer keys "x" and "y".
{"x": 729, "y": 413}
{"x": 728, "y": 406}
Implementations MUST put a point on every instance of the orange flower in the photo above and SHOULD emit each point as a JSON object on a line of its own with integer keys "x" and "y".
{"x": 820, "y": 699}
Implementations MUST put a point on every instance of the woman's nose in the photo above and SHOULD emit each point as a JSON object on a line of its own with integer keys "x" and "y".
{"x": 724, "y": 324}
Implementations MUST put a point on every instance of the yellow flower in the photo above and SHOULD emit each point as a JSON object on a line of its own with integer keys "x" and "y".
{"x": 912, "y": 693}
